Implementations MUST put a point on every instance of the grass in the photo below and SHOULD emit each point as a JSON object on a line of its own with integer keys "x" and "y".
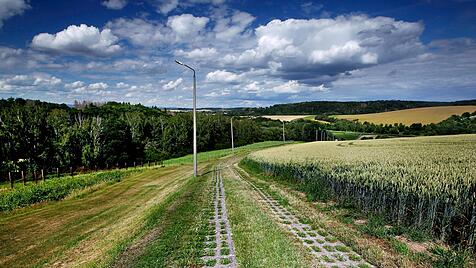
{"x": 426, "y": 115}
{"x": 55, "y": 189}
{"x": 178, "y": 244}
{"x": 87, "y": 228}
{"x": 259, "y": 242}
{"x": 214, "y": 155}
{"x": 345, "y": 135}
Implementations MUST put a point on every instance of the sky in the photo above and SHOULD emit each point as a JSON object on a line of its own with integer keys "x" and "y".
{"x": 246, "y": 53}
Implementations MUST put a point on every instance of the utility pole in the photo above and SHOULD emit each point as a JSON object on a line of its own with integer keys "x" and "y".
{"x": 232, "y": 142}
{"x": 284, "y": 136}
{"x": 194, "y": 117}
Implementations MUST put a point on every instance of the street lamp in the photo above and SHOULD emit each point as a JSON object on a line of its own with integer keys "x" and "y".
{"x": 232, "y": 142}
{"x": 194, "y": 118}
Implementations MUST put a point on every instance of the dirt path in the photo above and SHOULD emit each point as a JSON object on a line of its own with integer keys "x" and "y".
{"x": 327, "y": 250}
{"x": 221, "y": 243}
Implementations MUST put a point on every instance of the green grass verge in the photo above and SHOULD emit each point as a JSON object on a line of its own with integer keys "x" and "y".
{"x": 213, "y": 155}
{"x": 259, "y": 241}
{"x": 180, "y": 242}
{"x": 55, "y": 189}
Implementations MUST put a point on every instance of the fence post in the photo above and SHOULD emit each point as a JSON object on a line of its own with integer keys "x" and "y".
{"x": 148, "y": 163}
{"x": 125, "y": 165}
{"x": 43, "y": 175}
{"x": 10, "y": 179}
{"x": 134, "y": 164}
{"x": 23, "y": 177}
{"x": 71, "y": 171}
{"x": 57, "y": 172}
{"x": 34, "y": 176}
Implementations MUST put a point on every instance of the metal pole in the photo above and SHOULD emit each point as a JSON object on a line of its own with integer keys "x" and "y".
{"x": 194, "y": 124}
{"x": 232, "y": 142}
{"x": 195, "y": 173}
{"x": 284, "y": 136}
{"x": 316, "y": 134}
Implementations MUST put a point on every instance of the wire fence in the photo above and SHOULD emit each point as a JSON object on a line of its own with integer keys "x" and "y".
{"x": 35, "y": 176}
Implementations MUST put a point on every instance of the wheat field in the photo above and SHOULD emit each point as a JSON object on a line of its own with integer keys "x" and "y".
{"x": 407, "y": 117}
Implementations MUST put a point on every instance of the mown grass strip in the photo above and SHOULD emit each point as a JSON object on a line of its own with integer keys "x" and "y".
{"x": 179, "y": 243}
{"x": 259, "y": 242}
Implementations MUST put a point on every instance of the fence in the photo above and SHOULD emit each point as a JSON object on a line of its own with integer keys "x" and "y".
{"x": 23, "y": 176}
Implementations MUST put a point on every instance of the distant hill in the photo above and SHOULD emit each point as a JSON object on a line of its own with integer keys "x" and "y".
{"x": 426, "y": 115}
{"x": 337, "y": 107}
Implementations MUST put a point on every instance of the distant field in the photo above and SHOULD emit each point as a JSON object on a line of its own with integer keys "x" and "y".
{"x": 288, "y": 118}
{"x": 285, "y": 118}
{"x": 425, "y": 115}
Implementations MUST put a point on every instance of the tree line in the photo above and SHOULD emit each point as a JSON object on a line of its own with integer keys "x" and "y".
{"x": 37, "y": 135}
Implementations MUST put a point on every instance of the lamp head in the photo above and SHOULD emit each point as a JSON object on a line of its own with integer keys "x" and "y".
{"x": 178, "y": 62}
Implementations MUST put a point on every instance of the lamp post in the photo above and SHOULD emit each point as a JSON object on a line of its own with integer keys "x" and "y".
{"x": 232, "y": 142}
{"x": 194, "y": 118}
{"x": 284, "y": 136}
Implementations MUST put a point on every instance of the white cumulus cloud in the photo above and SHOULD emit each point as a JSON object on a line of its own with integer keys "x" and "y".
{"x": 316, "y": 49}
{"x": 171, "y": 85}
{"x": 223, "y": 76}
{"x": 187, "y": 25}
{"x": 10, "y": 8}
{"x": 83, "y": 40}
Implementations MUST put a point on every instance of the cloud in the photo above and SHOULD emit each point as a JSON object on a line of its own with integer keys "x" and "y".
{"x": 79, "y": 40}
{"x": 222, "y": 76}
{"x": 10, "y": 8}
{"x": 198, "y": 53}
{"x": 187, "y": 25}
{"x": 164, "y": 7}
{"x": 28, "y": 81}
{"x": 227, "y": 28}
{"x": 114, "y": 4}
{"x": 139, "y": 32}
{"x": 171, "y": 85}
{"x": 183, "y": 28}
{"x": 74, "y": 85}
{"x": 288, "y": 87}
{"x": 98, "y": 86}
{"x": 318, "y": 50}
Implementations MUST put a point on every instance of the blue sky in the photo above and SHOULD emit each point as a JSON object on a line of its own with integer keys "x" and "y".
{"x": 247, "y": 53}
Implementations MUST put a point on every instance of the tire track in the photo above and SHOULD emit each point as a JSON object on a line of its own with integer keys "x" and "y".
{"x": 326, "y": 249}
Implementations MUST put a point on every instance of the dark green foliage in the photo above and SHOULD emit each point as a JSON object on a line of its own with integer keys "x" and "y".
{"x": 448, "y": 258}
